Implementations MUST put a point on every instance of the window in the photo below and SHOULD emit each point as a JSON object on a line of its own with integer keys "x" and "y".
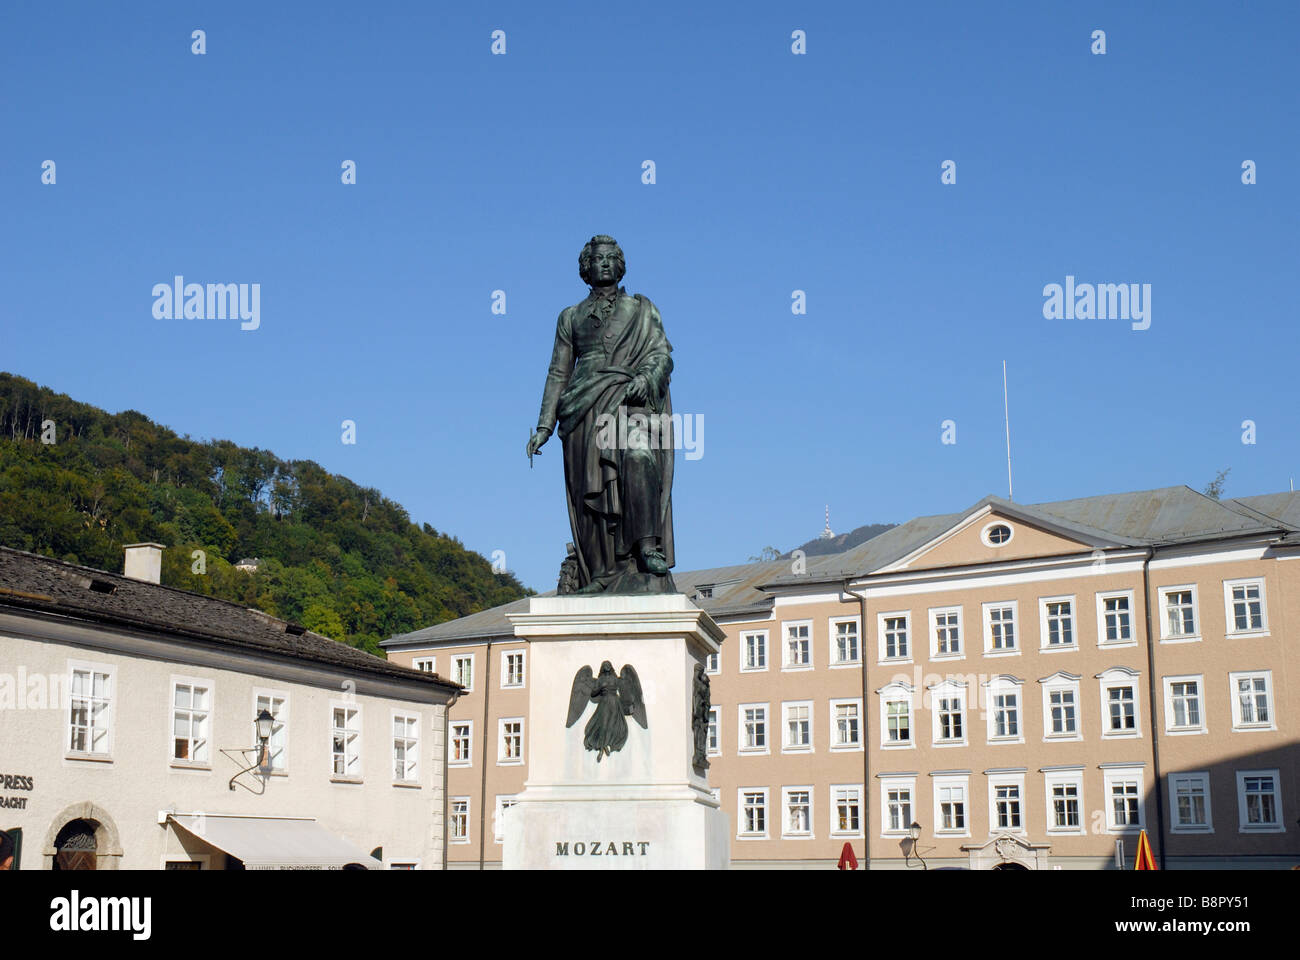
{"x": 1115, "y": 619}
{"x": 950, "y": 805}
{"x": 1002, "y": 709}
{"x": 345, "y": 740}
{"x": 755, "y": 651}
{"x": 798, "y": 646}
{"x": 458, "y": 812}
{"x": 1061, "y": 707}
{"x": 753, "y": 728}
{"x": 512, "y": 668}
{"x": 191, "y": 716}
{"x": 406, "y": 748}
{"x": 898, "y": 723}
{"x": 846, "y": 810}
{"x": 276, "y": 756}
{"x": 1183, "y": 713}
{"x": 1056, "y": 623}
{"x": 1119, "y": 703}
{"x": 897, "y": 795}
{"x": 711, "y": 663}
{"x": 462, "y": 670}
{"x": 1064, "y": 790}
{"x": 844, "y": 642}
{"x": 945, "y": 632}
{"x": 798, "y": 812}
{"x": 798, "y": 726}
{"x": 510, "y": 741}
{"x": 1005, "y": 797}
{"x": 1189, "y": 803}
{"x": 948, "y": 703}
{"x": 1252, "y": 700}
{"x": 1178, "y": 620}
{"x": 996, "y": 534}
{"x": 460, "y": 746}
{"x": 426, "y": 664}
{"x": 1244, "y": 600}
{"x": 846, "y": 733}
{"x": 1259, "y": 801}
{"x": 752, "y": 822}
{"x": 90, "y": 709}
{"x": 893, "y": 636}
{"x": 715, "y": 732}
{"x": 1124, "y": 812}
{"x": 1000, "y": 628}
{"x": 498, "y": 820}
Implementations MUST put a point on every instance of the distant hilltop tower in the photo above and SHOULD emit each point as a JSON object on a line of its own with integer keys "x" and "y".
{"x": 828, "y": 534}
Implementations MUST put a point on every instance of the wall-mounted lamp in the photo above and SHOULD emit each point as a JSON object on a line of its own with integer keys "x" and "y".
{"x": 914, "y": 832}
{"x": 264, "y": 725}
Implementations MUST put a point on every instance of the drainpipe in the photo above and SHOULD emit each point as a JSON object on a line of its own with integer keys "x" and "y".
{"x": 866, "y": 727}
{"x": 482, "y": 799}
{"x": 1151, "y": 703}
{"x": 446, "y": 744}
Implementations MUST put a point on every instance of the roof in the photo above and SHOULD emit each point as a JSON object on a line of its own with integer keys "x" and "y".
{"x": 1146, "y": 518}
{"x": 31, "y": 582}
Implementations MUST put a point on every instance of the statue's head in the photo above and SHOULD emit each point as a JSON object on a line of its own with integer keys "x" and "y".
{"x": 601, "y": 262}
{"x": 607, "y": 669}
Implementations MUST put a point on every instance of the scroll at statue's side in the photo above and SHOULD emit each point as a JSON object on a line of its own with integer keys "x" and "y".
{"x": 607, "y": 389}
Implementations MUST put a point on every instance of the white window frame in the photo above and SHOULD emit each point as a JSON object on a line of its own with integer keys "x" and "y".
{"x": 741, "y": 833}
{"x": 1102, "y": 597}
{"x": 1230, "y": 621}
{"x": 451, "y": 819}
{"x": 766, "y": 748}
{"x": 1016, "y": 780}
{"x": 808, "y": 641}
{"x": 407, "y": 716}
{"x": 502, "y": 759}
{"x": 948, "y": 781}
{"x": 110, "y": 711}
{"x": 786, "y": 745}
{"x": 1111, "y": 774}
{"x": 1061, "y": 681}
{"x": 834, "y": 806}
{"x": 909, "y": 639}
{"x": 210, "y": 687}
{"x": 832, "y": 654}
{"x": 945, "y": 689}
{"x": 1162, "y": 605}
{"x": 888, "y": 784}
{"x": 985, "y": 610}
{"x": 934, "y": 612}
{"x": 834, "y": 727}
{"x": 456, "y": 658}
{"x": 897, "y": 692}
{"x": 360, "y": 740}
{"x": 1238, "y": 726}
{"x": 713, "y": 664}
{"x": 281, "y": 721}
{"x": 984, "y": 533}
{"x": 1043, "y": 626}
{"x": 746, "y": 637}
{"x": 425, "y": 664}
{"x": 786, "y": 832}
{"x": 1242, "y": 825}
{"x": 451, "y": 741}
{"x": 1203, "y": 778}
{"x": 1073, "y": 778}
{"x": 522, "y": 654}
{"x": 1001, "y": 686}
{"x": 1168, "y": 683}
{"x": 715, "y": 724}
{"x": 1120, "y": 677}
{"x": 504, "y": 801}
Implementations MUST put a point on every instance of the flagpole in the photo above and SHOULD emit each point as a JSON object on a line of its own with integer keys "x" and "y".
{"x": 1006, "y": 415}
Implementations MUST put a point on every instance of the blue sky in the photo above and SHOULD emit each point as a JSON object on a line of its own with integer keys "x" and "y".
{"x": 775, "y": 172}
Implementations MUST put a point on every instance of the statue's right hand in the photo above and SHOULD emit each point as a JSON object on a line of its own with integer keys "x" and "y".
{"x": 536, "y": 440}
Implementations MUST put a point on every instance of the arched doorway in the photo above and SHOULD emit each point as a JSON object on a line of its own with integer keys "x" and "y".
{"x": 1010, "y": 865}
{"x": 75, "y": 847}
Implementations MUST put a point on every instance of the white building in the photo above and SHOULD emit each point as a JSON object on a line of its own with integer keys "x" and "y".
{"x": 127, "y": 714}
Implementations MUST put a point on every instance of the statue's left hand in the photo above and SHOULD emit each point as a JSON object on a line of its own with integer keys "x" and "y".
{"x": 638, "y": 392}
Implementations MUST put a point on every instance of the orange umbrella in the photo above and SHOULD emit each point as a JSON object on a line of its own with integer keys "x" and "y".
{"x": 1145, "y": 858}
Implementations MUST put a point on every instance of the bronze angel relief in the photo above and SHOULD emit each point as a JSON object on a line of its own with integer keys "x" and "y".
{"x": 615, "y": 696}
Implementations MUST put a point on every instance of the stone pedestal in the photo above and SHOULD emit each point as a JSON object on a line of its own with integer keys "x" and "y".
{"x": 642, "y": 807}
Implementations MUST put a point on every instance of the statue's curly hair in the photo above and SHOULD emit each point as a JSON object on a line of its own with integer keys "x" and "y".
{"x": 584, "y": 258}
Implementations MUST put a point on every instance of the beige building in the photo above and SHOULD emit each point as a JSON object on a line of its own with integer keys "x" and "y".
{"x": 1027, "y": 685}
{"x": 128, "y": 737}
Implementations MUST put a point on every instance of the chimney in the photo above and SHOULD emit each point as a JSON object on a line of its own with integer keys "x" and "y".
{"x": 144, "y": 561}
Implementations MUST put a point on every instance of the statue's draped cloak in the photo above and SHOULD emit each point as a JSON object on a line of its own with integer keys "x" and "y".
{"x": 587, "y": 381}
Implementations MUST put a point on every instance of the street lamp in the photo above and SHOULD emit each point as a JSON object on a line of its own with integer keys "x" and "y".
{"x": 914, "y": 832}
{"x": 264, "y": 724}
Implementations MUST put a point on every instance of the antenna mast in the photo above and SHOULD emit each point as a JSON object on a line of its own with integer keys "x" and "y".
{"x": 1006, "y": 415}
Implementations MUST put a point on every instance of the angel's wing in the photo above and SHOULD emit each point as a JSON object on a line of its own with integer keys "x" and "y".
{"x": 580, "y": 695}
{"x": 629, "y": 692}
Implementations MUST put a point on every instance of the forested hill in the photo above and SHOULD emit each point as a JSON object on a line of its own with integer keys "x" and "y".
{"x": 340, "y": 559}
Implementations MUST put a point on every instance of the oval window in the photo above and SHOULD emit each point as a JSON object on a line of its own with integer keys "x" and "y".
{"x": 997, "y": 534}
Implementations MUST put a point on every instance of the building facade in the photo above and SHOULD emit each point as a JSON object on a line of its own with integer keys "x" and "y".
{"x": 128, "y": 736}
{"x": 1019, "y": 686}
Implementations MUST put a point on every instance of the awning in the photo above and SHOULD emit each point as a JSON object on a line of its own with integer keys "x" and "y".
{"x": 273, "y": 843}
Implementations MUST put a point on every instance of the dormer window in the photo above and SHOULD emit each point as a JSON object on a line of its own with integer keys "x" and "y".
{"x": 996, "y": 534}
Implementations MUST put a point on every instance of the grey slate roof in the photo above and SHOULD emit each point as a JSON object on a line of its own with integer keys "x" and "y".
{"x": 31, "y": 582}
{"x": 1161, "y": 517}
